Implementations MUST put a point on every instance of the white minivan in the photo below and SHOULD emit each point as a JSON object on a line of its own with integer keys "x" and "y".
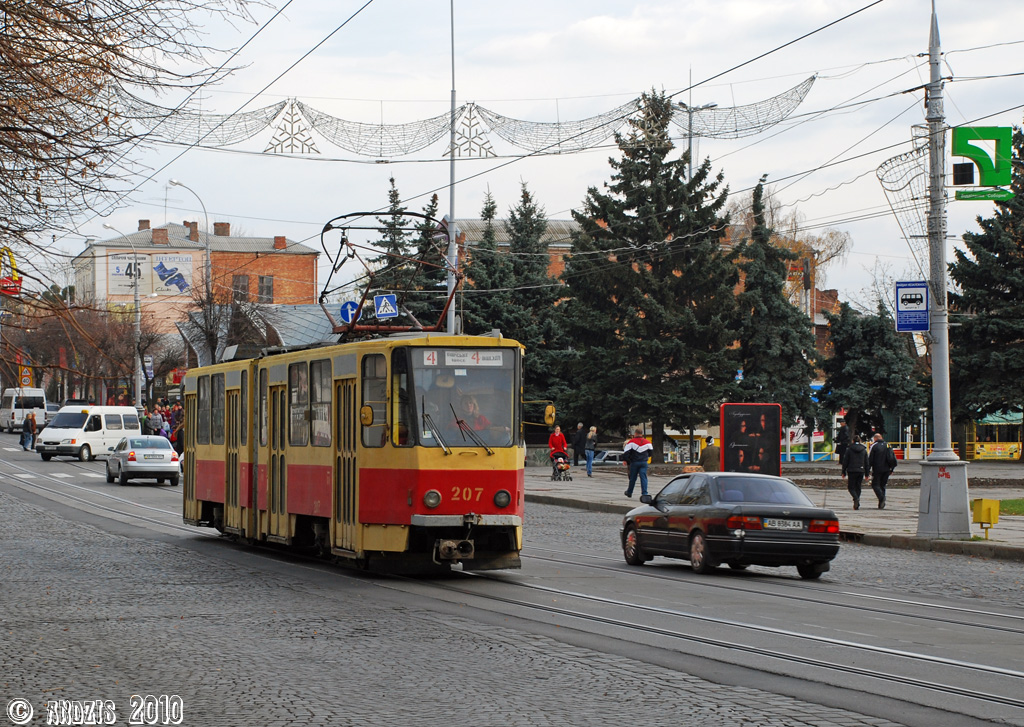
{"x": 17, "y": 403}
{"x": 85, "y": 431}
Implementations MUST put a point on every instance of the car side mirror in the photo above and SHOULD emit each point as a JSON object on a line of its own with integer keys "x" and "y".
{"x": 110, "y": 449}
{"x": 647, "y": 500}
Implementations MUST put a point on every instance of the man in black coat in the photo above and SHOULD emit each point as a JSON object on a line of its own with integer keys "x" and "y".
{"x": 579, "y": 444}
{"x": 881, "y": 463}
{"x": 855, "y": 464}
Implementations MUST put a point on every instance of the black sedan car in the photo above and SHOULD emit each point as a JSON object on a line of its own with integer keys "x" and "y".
{"x": 740, "y": 519}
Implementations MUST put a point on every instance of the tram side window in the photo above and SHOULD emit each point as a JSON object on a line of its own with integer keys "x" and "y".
{"x": 264, "y": 416}
{"x": 402, "y": 415}
{"x": 320, "y": 402}
{"x": 203, "y": 410}
{"x": 217, "y": 406}
{"x": 243, "y": 415}
{"x": 375, "y": 384}
{"x": 298, "y": 405}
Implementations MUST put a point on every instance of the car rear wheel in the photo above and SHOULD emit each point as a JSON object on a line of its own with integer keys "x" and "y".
{"x": 85, "y": 453}
{"x": 631, "y": 549}
{"x": 174, "y": 481}
{"x": 809, "y": 571}
{"x": 123, "y": 479}
{"x": 700, "y": 559}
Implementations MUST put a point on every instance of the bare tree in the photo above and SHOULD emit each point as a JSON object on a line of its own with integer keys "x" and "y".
{"x": 73, "y": 74}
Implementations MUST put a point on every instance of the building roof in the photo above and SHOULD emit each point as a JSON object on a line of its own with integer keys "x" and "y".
{"x": 297, "y": 325}
{"x": 557, "y": 234}
{"x": 177, "y": 239}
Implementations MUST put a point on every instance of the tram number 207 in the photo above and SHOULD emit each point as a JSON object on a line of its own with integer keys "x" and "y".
{"x": 467, "y": 494}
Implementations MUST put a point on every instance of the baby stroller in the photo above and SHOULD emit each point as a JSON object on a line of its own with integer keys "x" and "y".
{"x": 560, "y": 467}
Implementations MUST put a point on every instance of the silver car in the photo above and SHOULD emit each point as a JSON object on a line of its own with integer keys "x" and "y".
{"x": 143, "y": 457}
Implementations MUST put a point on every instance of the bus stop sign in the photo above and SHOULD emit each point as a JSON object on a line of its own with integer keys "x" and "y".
{"x": 912, "y": 306}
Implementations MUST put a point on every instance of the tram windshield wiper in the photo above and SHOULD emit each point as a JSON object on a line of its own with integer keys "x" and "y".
{"x": 429, "y": 421}
{"x": 466, "y": 429}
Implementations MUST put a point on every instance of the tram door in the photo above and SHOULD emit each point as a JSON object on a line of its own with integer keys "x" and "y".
{"x": 232, "y": 512}
{"x": 277, "y": 486}
{"x": 192, "y": 508}
{"x": 345, "y": 525}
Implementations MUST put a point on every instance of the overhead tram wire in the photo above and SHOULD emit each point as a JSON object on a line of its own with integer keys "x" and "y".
{"x": 626, "y": 115}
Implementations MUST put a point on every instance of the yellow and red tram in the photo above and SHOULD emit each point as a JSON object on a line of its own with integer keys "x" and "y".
{"x": 399, "y": 453}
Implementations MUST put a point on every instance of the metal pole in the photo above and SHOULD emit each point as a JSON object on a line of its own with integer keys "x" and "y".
{"x": 209, "y": 258}
{"x": 453, "y": 249}
{"x": 943, "y": 507}
{"x": 138, "y": 316}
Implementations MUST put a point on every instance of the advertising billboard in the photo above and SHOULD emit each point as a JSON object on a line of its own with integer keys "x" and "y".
{"x": 172, "y": 273}
{"x": 750, "y": 438}
{"x": 121, "y": 268}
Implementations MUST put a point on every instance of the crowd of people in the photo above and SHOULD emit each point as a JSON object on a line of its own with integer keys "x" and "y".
{"x": 165, "y": 420}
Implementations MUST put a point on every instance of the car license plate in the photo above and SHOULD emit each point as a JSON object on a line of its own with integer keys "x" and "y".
{"x": 771, "y": 523}
{"x": 152, "y": 456}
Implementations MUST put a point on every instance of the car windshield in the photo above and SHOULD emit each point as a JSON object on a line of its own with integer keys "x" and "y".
{"x": 766, "y": 490}
{"x": 149, "y": 443}
{"x": 69, "y": 420}
{"x": 474, "y": 386}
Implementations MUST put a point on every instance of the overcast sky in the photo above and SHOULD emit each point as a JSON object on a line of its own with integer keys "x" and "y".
{"x": 568, "y": 59}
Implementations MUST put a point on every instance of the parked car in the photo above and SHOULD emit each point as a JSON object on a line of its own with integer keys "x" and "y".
{"x": 51, "y": 412}
{"x": 147, "y": 457}
{"x": 736, "y": 518}
{"x": 609, "y": 457}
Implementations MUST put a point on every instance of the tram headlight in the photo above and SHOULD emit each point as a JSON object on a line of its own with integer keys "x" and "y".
{"x": 432, "y": 498}
{"x": 502, "y": 498}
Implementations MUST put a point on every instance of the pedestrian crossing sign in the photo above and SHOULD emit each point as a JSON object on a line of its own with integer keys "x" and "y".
{"x": 386, "y": 306}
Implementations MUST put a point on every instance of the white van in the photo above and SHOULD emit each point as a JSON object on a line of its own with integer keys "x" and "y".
{"x": 17, "y": 403}
{"x": 85, "y": 431}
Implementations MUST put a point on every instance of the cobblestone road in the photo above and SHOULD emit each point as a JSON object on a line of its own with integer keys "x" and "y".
{"x": 933, "y": 574}
{"x": 91, "y": 615}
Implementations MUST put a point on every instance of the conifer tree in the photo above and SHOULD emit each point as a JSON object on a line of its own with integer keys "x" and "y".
{"x": 391, "y": 268}
{"x": 428, "y": 276}
{"x": 870, "y": 369}
{"x": 488, "y": 299}
{"x": 775, "y": 339}
{"x": 652, "y": 313}
{"x": 987, "y": 345}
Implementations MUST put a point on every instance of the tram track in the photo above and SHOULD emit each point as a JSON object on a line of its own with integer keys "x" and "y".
{"x": 709, "y": 583}
{"x": 892, "y": 676}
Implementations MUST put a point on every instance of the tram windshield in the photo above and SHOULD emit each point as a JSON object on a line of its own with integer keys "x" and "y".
{"x": 465, "y": 397}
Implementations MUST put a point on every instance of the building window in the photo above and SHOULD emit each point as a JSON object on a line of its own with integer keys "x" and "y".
{"x": 266, "y": 292}
{"x": 240, "y": 288}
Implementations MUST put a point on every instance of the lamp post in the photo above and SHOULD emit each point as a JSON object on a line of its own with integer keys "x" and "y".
{"x": 138, "y": 315}
{"x": 690, "y": 111}
{"x": 209, "y": 263}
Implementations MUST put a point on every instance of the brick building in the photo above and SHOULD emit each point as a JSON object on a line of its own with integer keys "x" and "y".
{"x": 172, "y": 268}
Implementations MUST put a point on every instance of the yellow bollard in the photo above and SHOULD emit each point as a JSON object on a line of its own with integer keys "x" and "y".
{"x": 986, "y": 513}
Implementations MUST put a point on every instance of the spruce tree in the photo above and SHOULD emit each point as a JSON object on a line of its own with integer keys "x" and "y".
{"x": 488, "y": 298}
{"x": 870, "y": 369}
{"x": 987, "y": 344}
{"x": 652, "y": 312}
{"x": 391, "y": 268}
{"x": 428, "y": 275}
{"x": 775, "y": 339}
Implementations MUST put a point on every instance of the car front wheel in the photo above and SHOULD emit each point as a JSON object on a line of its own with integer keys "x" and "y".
{"x": 85, "y": 453}
{"x": 700, "y": 559}
{"x": 110, "y": 475}
{"x": 631, "y": 550}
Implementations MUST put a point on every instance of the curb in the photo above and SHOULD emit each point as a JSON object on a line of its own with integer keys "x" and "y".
{"x": 579, "y": 504}
{"x": 972, "y": 548}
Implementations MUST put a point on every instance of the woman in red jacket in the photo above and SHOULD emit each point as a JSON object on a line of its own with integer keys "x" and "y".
{"x": 556, "y": 442}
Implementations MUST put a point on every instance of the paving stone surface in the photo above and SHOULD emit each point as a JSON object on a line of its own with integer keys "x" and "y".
{"x": 87, "y": 615}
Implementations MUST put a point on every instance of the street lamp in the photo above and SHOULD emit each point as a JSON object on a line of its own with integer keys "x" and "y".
{"x": 138, "y": 315}
{"x": 690, "y": 111}
{"x": 209, "y": 264}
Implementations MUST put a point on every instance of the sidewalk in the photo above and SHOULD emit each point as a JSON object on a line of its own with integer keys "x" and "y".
{"x": 895, "y": 526}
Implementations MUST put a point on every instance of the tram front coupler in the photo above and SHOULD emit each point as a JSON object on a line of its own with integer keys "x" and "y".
{"x": 450, "y": 549}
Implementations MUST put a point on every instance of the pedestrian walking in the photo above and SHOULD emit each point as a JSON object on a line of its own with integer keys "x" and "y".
{"x": 881, "y": 463}
{"x": 842, "y": 440}
{"x": 710, "y": 456}
{"x": 557, "y": 443}
{"x": 28, "y": 432}
{"x": 590, "y": 448}
{"x": 636, "y": 452}
{"x": 579, "y": 442}
{"x": 855, "y": 464}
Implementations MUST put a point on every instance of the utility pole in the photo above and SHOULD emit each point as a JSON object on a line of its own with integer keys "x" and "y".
{"x": 453, "y": 249}
{"x": 943, "y": 510}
